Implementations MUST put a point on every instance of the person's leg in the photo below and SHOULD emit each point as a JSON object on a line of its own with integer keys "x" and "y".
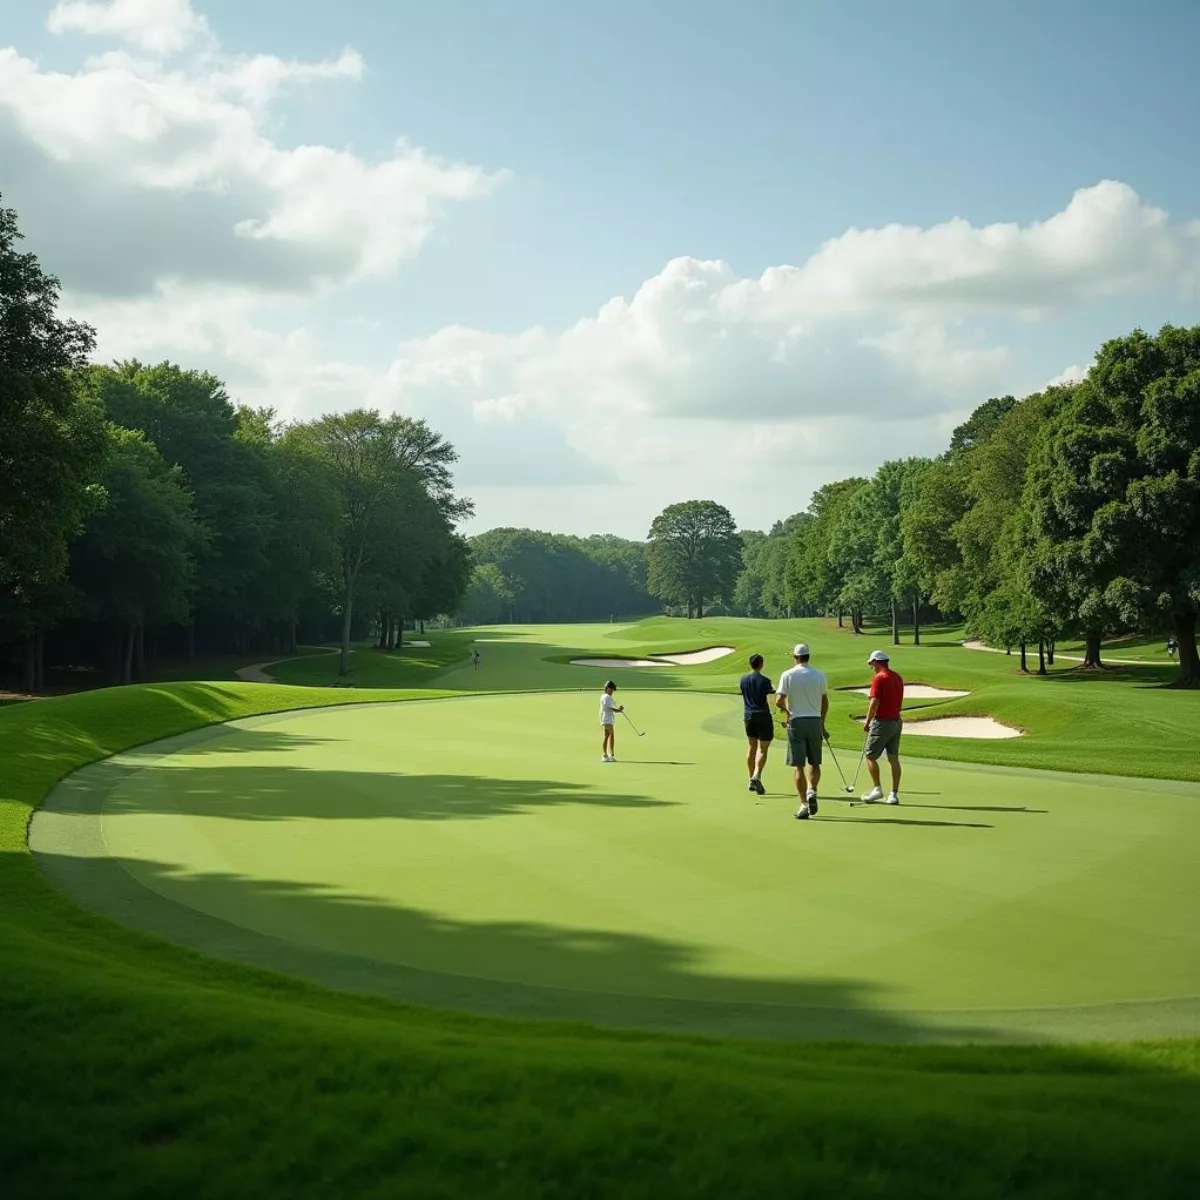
{"x": 751, "y": 755}
{"x": 761, "y": 761}
{"x": 894, "y": 763}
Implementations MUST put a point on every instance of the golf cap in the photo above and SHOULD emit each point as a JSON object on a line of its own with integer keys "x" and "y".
{"x": 612, "y": 685}
{"x": 800, "y": 651}
{"x": 877, "y": 656}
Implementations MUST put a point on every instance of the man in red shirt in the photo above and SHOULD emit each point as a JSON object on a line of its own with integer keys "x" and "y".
{"x": 883, "y": 725}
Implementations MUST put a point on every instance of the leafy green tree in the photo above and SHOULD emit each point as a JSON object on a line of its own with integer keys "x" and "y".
{"x": 487, "y": 600}
{"x": 133, "y": 565}
{"x": 52, "y": 441}
{"x": 693, "y": 554}
{"x": 1114, "y": 494}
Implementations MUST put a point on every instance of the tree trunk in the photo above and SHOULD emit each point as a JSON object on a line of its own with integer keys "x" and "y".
{"x": 127, "y": 656}
{"x": 29, "y": 664}
{"x": 347, "y": 617}
{"x": 1024, "y": 663}
{"x": 383, "y": 631}
{"x": 39, "y": 661}
{"x": 1189, "y": 660}
{"x": 1041, "y": 658}
{"x": 1050, "y": 652}
{"x": 840, "y": 625}
{"x": 421, "y": 623}
{"x": 700, "y": 609}
{"x": 398, "y": 634}
{"x": 139, "y": 654}
{"x": 916, "y": 620}
{"x": 1091, "y": 651}
{"x": 895, "y": 623}
{"x": 191, "y": 641}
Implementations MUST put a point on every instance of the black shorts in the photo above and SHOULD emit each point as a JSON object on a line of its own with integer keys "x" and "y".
{"x": 760, "y": 727}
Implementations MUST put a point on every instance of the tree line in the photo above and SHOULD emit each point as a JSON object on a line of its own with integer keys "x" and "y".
{"x": 1074, "y": 511}
{"x": 144, "y": 514}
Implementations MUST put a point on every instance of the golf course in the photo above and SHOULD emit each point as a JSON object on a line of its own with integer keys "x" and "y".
{"x": 437, "y": 850}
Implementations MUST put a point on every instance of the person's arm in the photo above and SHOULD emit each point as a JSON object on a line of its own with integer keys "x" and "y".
{"x": 781, "y": 701}
{"x": 824, "y": 712}
{"x": 873, "y": 707}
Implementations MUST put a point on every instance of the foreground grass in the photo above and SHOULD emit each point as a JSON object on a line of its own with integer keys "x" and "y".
{"x": 136, "y": 1068}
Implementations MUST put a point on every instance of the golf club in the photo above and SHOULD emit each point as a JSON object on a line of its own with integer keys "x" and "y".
{"x": 860, "y": 763}
{"x": 837, "y": 764}
{"x": 630, "y": 720}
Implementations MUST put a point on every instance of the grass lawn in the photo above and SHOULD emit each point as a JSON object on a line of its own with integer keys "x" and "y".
{"x": 135, "y": 1067}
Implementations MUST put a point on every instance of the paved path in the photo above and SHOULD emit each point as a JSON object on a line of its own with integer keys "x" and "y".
{"x": 256, "y": 673}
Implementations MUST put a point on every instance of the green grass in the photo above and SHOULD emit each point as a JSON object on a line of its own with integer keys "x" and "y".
{"x": 134, "y": 1067}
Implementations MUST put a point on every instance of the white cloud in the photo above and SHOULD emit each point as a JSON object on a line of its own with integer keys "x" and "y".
{"x": 1073, "y": 374}
{"x": 149, "y": 148}
{"x": 158, "y": 26}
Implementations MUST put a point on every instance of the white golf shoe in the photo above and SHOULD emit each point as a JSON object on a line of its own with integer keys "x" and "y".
{"x": 873, "y": 796}
{"x": 892, "y": 798}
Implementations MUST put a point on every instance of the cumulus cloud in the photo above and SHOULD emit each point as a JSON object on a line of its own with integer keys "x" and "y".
{"x": 1073, "y": 374}
{"x": 158, "y": 26}
{"x": 175, "y": 159}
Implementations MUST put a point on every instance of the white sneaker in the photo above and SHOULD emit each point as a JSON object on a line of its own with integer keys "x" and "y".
{"x": 606, "y": 758}
{"x": 892, "y": 798}
{"x": 876, "y": 793}
{"x": 812, "y": 794}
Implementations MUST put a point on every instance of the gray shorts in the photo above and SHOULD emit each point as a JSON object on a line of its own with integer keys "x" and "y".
{"x": 804, "y": 742}
{"x": 884, "y": 738}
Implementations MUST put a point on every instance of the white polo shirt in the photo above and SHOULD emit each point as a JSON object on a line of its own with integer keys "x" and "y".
{"x": 608, "y": 709}
{"x": 803, "y": 686}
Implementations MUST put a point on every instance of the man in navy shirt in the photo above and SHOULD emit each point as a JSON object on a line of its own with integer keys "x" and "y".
{"x": 760, "y": 726}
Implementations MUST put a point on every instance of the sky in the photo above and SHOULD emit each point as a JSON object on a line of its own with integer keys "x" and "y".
{"x": 621, "y": 255}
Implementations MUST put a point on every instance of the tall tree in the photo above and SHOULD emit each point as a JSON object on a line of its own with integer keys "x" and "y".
{"x": 380, "y": 474}
{"x": 693, "y": 554}
{"x": 52, "y": 438}
{"x": 1114, "y": 493}
{"x": 133, "y": 565}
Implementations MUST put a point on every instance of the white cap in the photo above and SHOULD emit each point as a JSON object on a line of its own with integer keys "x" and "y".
{"x": 800, "y": 651}
{"x": 877, "y": 656}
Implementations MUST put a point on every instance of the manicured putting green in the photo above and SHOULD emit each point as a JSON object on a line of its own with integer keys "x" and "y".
{"x": 480, "y": 845}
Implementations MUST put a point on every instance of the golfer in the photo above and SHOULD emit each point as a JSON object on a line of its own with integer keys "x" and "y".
{"x": 760, "y": 724}
{"x": 803, "y": 695}
{"x": 883, "y": 726}
{"x": 608, "y": 720}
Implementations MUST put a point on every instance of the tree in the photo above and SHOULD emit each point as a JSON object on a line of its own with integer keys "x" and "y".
{"x": 1114, "y": 493}
{"x": 52, "y": 439}
{"x": 133, "y": 565}
{"x": 384, "y": 471}
{"x": 693, "y": 554}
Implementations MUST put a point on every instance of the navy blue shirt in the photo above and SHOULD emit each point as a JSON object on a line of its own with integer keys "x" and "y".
{"x": 756, "y": 693}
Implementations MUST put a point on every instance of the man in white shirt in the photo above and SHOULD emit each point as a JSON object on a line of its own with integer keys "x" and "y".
{"x": 608, "y": 719}
{"x": 803, "y": 695}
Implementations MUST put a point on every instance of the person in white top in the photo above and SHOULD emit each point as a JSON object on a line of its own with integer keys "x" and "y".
{"x": 803, "y": 695}
{"x": 608, "y": 718}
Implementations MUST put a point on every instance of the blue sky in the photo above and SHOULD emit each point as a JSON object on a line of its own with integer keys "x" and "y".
{"x": 631, "y": 135}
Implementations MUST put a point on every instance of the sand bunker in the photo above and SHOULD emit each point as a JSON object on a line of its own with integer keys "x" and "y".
{"x": 619, "y": 662}
{"x": 960, "y": 727}
{"x": 683, "y": 658}
{"x": 918, "y": 691}
{"x": 401, "y": 647}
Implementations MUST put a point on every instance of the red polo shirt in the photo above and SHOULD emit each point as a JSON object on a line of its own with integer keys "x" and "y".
{"x": 888, "y": 688}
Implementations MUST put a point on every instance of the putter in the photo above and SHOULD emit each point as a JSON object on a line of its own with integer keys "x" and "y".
{"x": 860, "y": 763}
{"x": 837, "y": 764}
{"x": 630, "y": 720}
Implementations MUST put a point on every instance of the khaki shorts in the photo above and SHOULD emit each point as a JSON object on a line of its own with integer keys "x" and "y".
{"x": 884, "y": 738}
{"x": 804, "y": 742}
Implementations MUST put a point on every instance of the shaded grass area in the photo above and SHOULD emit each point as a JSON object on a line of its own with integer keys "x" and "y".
{"x": 135, "y": 1068}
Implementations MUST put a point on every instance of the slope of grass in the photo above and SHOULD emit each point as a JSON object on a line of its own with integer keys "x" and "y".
{"x": 131, "y": 1067}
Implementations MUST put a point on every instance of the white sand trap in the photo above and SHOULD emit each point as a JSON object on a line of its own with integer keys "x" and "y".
{"x": 403, "y": 644}
{"x": 689, "y": 658}
{"x": 960, "y": 727}
{"x": 918, "y": 691}
{"x": 685, "y": 658}
{"x": 618, "y": 662}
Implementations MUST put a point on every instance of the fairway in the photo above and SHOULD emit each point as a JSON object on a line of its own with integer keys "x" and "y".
{"x": 475, "y": 852}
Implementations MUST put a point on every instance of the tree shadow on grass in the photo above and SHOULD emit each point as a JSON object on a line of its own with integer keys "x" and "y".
{"x": 278, "y": 792}
{"x": 503, "y": 968}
